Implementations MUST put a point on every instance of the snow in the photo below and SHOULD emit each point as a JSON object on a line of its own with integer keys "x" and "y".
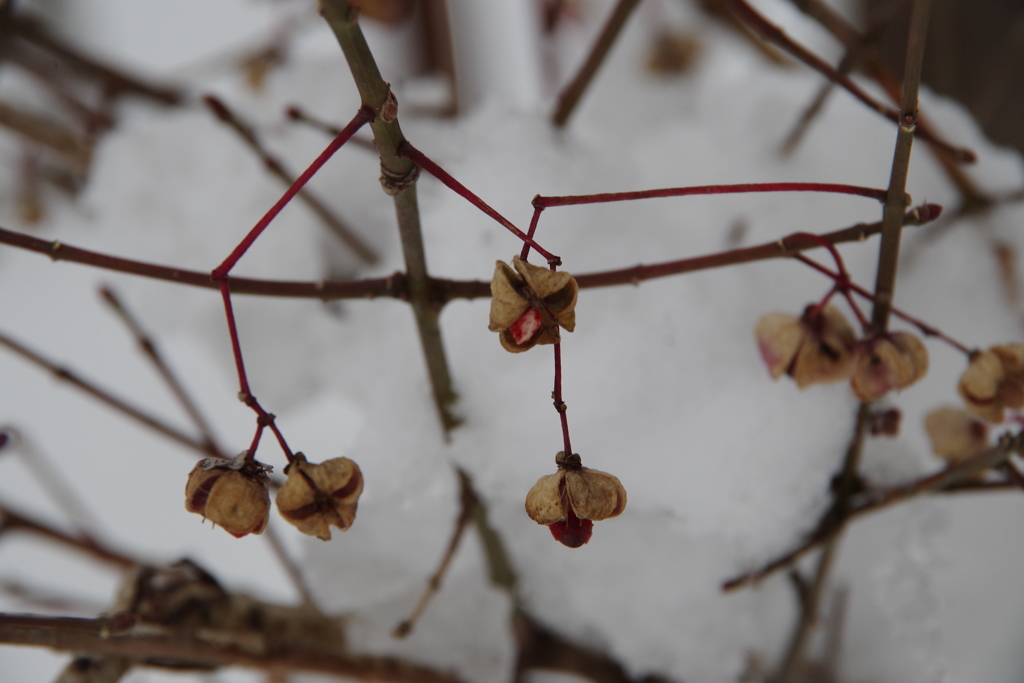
{"x": 665, "y": 388}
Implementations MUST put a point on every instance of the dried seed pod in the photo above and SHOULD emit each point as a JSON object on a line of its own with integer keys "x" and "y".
{"x": 955, "y": 434}
{"x": 816, "y": 347}
{"x": 315, "y": 497}
{"x": 573, "y": 498}
{"x": 886, "y": 362}
{"x": 994, "y": 381}
{"x": 231, "y": 493}
{"x": 530, "y": 304}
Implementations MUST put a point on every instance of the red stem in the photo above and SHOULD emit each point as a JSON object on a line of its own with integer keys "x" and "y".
{"x": 925, "y": 328}
{"x": 236, "y": 347}
{"x": 407, "y": 151}
{"x": 533, "y": 229}
{"x": 842, "y": 282}
{"x": 251, "y": 454}
{"x": 362, "y": 117}
{"x": 559, "y": 404}
{"x": 571, "y": 200}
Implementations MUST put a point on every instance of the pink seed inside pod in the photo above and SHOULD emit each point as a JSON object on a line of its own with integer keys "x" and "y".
{"x": 526, "y": 326}
{"x": 572, "y": 531}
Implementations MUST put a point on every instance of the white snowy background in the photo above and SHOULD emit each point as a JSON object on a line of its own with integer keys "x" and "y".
{"x": 724, "y": 467}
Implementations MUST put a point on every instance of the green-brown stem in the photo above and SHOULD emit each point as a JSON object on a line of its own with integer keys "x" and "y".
{"x": 398, "y": 176}
{"x": 895, "y": 202}
{"x": 845, "y": 485}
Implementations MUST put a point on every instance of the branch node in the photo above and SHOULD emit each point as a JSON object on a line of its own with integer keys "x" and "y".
{"x": 396, "y": 183}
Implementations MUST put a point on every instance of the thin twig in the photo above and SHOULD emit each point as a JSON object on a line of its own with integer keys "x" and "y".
{"x": 291, "y": 567}
{"x": 101, "y": 637}
{"x": 467, "y": 502}
{"x": 393, "y": 286}
{"x": 296, "y": 113}
{"x": 115, "y": 81}
{"x": 149, "y": 348}
{"x": 855, "y": 42}
{"x": 13, "y": 521}
{"x": 423, "y": 161}
{"x": 926, "y": 329}
{"x": 398, "y": 177}
{"x": 106, "y": 397}
{"x": 570, "y": 96}
{"x": 800, "y": 128}
{"x": 895, "y": 202}
{"x": 845, "y": 486}
{"x": 774, "y": 34}
{"x": 274, "y": 165}
{"x": 541, "y": 201}
{"x": 48, "y": 132}
{"x": 53, "y": 482}
{"x": 953, "y": 479}
{"x": 442, "y": 290}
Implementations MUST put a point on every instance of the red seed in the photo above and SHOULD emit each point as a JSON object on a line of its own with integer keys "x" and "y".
{"x": 572, "y": 531}
{"x": 526, "y": 326}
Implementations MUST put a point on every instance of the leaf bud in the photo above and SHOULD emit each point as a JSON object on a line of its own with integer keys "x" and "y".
{"x": 231, "y": 493}
{"x": 317, "y": 496}
{"x": 530, "y": 304}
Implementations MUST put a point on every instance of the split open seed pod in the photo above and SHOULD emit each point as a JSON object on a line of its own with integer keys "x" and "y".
{"x": 231, "y": 493}
{"x": 573, "y": 498}
{"x": 994, "y": 381}
{"x": 955, "y": 434}
{"x": 891, "y": 361}
{"x": 815, "y": 347}
{"x": 319, "y": 496}
{"x": 530, "y": 304}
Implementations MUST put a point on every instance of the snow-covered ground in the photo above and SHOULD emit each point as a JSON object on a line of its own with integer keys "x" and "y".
{"x": 724, "y": 467}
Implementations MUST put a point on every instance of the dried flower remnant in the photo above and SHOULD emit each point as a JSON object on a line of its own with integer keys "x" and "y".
{"x": 317, "y": 496}
{"x": 530, "y": 304}
{"x": 815, "y": 347}
{"x": 955, "y": 434}
{"x": 569, "y": 501}
{"x": 231, "y": 493}
{"x": 890, "y": 361}
{"x": 994, "y": 381}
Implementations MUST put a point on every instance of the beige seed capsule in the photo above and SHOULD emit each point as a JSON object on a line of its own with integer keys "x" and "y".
{"x": 884, "y": 363}
{"x": 230, "y": 493}
{"x": 813, "y": 348}
{"x": 574, "y": 497}
{"x": 530, "y": 304}
{"x": 318, "y": 496}
{"x": 994, "y": 381}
